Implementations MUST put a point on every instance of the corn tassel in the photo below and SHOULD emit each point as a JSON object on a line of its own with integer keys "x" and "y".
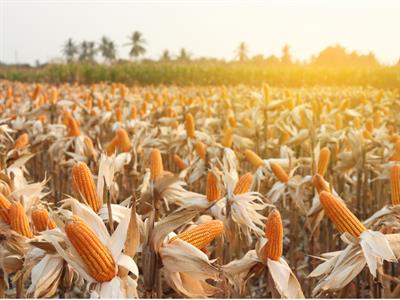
{"x": 19, "y": 221}
{"x": 244, "y": 184}
{"x": 84, "y": 184}
{"x": 41, "y": 220}
{"x": 340, "y": 215}
{"x": 273, "y": 249}
{"x": 97, "y": 258}
{"x": 202, "y": 235}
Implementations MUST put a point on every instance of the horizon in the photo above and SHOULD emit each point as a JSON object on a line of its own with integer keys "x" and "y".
{"x": 266, "y": 27}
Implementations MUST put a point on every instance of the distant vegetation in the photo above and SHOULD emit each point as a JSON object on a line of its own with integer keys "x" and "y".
{"x": 88, "y": 62}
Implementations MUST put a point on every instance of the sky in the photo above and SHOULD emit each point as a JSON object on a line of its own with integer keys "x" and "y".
{"x": 36, "y": 30}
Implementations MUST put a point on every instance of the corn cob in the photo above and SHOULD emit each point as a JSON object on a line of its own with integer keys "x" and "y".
{"x": 85, "y": 186}
{"x": 112, "y": 146}
{"x": 123, "y": 140}
{"x": 396, "y": 153}
{"x": 21, "y": 141}
{"x": 323, "y": 160}
{"x": 369, "y": 125}
{"x": 36, "y": 91}
{"x": 244, "y": 184}
{"x": 395, "y": 184}
{"x": 190, "y": 127}
{"x": 202, "y": 235}
{"x": 232, "y": 120}
{"x": 73, "y": 128}
{"x": 212, "y": 190}
{"x": 5, "y": 206}
{"x": 19, "y": 221}
{"x": 41, "y": 220}
{"x": 228, "y": 138}
{"x": 133, "y": 113}
{"x": 340, "y": 215}
{"x": 267, "y": 94}
{"x": 118, "y": 114}
{"x": 156, "y": 164}
{"x": 253, "y": 158}
{"x": 279, "y": 172}
{"x": 97, "y": 258}
{"x": 273, "y": 249}
{"x": 201, "y": 150}
{"x": 320, "y": 184}
{"x": 180, "y": 164}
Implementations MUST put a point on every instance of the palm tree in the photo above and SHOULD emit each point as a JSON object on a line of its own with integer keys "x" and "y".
{"x": 69, "y": 50}
{"x": 87, "y": 51}
{"x": 165, "y": 56}
{"x": 107, "y": 49}
{"x": 136, "y": 42}
{"x": 242, "y": 52}
{"x": 184, "y": 55}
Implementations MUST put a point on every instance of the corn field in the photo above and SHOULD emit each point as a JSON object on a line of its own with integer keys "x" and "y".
{"x": 116, "y": 191}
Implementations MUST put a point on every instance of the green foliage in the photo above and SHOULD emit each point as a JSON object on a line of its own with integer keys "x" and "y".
{"x": 216, "y": 73}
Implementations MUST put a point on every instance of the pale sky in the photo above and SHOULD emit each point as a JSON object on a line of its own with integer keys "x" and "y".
{"x": 31, "y": 30}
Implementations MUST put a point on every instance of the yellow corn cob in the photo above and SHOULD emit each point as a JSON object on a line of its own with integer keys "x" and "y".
{"x": 320, "y": 184}
{"x": 202, "y": 235}
{"x": 112, "y": 146}
{"x": 84, "y": 184}
{"x": 107, "y": 104}
{"x": 97, "y": 258}
{"x": 338, "y": 122}
{"x": 5, "y": 206}
{"x": 323, "y": 161}
{"x": 248, "y": 123}
{"x": 180, "y": 164}
{"x": 133, "y": 113}
{"x": 253, "y": 158}
{"x": 156, "y": 164}
{"x": 19, "y": 221}
{"x": 124, "y": 143}
{"x": 395, "y": 184}
{"x": 54, "y": 96}
{"x": 273, "y": 249}
{"x": 21, "y": 141}
{"x": 284, "y": 137}
{"x": 340, "y": 215}
{"x": 41, "y": 220}
{"x": 36, "y": 91}
{"x": 190, "y": 127}
{"x": 212, "y": 189}
{"x": 232, "y": 120}
{"x": 73, "y": 128}
{"x": 369, "y": 125}
{"x": 118, "y": 114}
{"x": 228, "y": 138}
{"x": 356, "y": 122}
{"x": 244, "y": 184}
{"x": 201, "y": 150}
{"x": 279, "y": 172}
{"x": 396, "y": 153}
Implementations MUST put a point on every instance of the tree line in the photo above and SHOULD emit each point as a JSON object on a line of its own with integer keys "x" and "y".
{"x": 87, "y": 51}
